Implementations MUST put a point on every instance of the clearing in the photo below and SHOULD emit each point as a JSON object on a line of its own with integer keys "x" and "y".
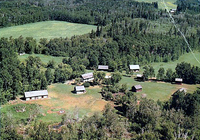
{"x": 170, "y": 3}
{"x": 47, "y": 29}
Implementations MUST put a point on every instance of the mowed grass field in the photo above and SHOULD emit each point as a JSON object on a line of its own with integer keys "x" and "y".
{"x": 47, "y": 29}
{"x": 170, "y": 3}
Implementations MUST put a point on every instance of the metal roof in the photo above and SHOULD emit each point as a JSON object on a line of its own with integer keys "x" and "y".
{"x": 36, "y": 93}
{"x": 134, "y": 67}
{"x": 87, "y": 75}
{"x": 138, "y": 87}
{"x": 182, "y": 90}
{"x": 78, "y": 88}
{"x": 103, "y": 67}
{"x": 139, "y": 75}
{"x": 178, "y": 79}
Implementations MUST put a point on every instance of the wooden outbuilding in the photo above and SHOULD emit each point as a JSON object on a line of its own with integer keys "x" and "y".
{"x": 102, "y": 67}
{"x": 32, "y": 95}
{"x": 134, "y": 68}
{"x": 139, "y": 76}
{"x": 87, "y": 77}
{"x": 178, "y": 81}
{"x": 137, "y": 88}
{"x": 79, "y": 89}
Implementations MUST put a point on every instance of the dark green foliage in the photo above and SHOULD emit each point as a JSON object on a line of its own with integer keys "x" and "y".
{"x": 161, "y": 73}
{"x": 86, "y": 84}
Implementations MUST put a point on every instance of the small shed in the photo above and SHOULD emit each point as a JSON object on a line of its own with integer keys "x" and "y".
{"x": 107, "y": 76}
{"x": 182, "y": 90}
{"x": 79, "y": 89}
{"x": 135, "y": 68}
{"x": 87, "y": 77}
{"x": 178, "y": 81}
{"x": 137, "y": 88}
{"x": 172, "y": 11}
{"x": 102, "y": 67}
{"x": 139, "y": 76}
{"x": 32, "y": 95}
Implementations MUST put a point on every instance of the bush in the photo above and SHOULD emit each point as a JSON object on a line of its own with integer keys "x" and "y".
{"x": 86, "y": 84}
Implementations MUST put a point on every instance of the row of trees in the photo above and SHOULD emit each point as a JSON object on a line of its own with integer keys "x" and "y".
{"x": 189, "y": 74}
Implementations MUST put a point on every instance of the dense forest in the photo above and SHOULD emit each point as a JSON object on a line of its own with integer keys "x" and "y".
{"x": 121, "y": 39}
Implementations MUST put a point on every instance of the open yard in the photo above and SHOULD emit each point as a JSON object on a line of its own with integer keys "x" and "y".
{"x": 170, "y": 3}
{"x": 157, "y": 90}
{"x": 47, "y": 29}
{"x": 62, "y": 99}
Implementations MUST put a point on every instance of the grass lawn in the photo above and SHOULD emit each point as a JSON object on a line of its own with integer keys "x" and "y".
{"x": 47, "y": 29}
{"x": 188, "y": 57}
{"x": 44, "y": 58}
{"x": 170, "y": 3}
{"x": 157, "y": 90}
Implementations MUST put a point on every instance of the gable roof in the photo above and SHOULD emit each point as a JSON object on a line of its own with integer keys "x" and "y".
{"x": 134, "y": 67}
{"x": 182, "y": 90}
{"x": 139, "y": 75}
{"x": 78, "y": 88}
{"x": 36, "y": 93}
{"x": 178, "y": 79}
{"x": 87, "y": 75}
{"x": 138, "y": 87}
{"x": 103, "y": 67}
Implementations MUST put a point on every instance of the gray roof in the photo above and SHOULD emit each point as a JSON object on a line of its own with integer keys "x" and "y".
{"x": 87, "y": 75}
{"x": 103, "y": 67}
{"x": 78, "y": 88}
{"x": 36, "y": 93}
{"x": 139, "y": 75}
{"x": 134, "y": 67}
{"x": 178, "y": 79}
{"x": 182, "y": 90}
{"x": 138, "y": 87}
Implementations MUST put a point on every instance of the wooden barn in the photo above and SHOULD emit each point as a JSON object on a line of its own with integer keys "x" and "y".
{"x": 102, "y": 67}
{"x": 79, "y": 89}
{"x": 178, "y": 81}
{"x": 137, "y": 88}
{"x": 87, "y": 77}
{"x": 139, "y": 77}
{"x": 32, "y": 95}
{"x": 134, "y": 68}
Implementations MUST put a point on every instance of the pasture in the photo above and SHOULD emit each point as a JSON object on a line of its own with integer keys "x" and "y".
{"x": 188, "y": 57}
{"x": 170, "y": 3}
{"x": 47, "y": 29}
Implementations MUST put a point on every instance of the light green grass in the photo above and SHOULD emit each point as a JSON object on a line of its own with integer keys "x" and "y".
{"x": 170, "y": 3}
{"x": 156, "y": 90}
{"x": 188, "y": 57}
{"x": 47, "y": 29}
{"x": 44, "y": 58}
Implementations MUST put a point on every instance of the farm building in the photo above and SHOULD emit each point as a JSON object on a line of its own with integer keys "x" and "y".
{"x": 178, "y": 81}
{"x": 79, "y": 89}
{"x": 32, "y": 95}
{"x": 102, "y": 67}
{"x": 87, "y": 77}
{"x": 139, "y": 76}
{"x": 135, "y": 68}
{"x": 137, "y": 88}
{"x": 172, "y": 11}
{"x": 182, "y": 90}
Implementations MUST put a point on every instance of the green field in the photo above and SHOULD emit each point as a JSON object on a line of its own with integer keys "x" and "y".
{"x": 188, "y": 57}
{"x": 47, "y": 29}
{"x": 44, "y": 58}
{"x": 170, "y": 3}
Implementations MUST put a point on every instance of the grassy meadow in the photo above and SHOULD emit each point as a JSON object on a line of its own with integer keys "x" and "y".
{"x": 188, "y": 57}
{"x": 44, "y": 58}
{"x": 47, "y": 29}
{"x": 170, "y": 3}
